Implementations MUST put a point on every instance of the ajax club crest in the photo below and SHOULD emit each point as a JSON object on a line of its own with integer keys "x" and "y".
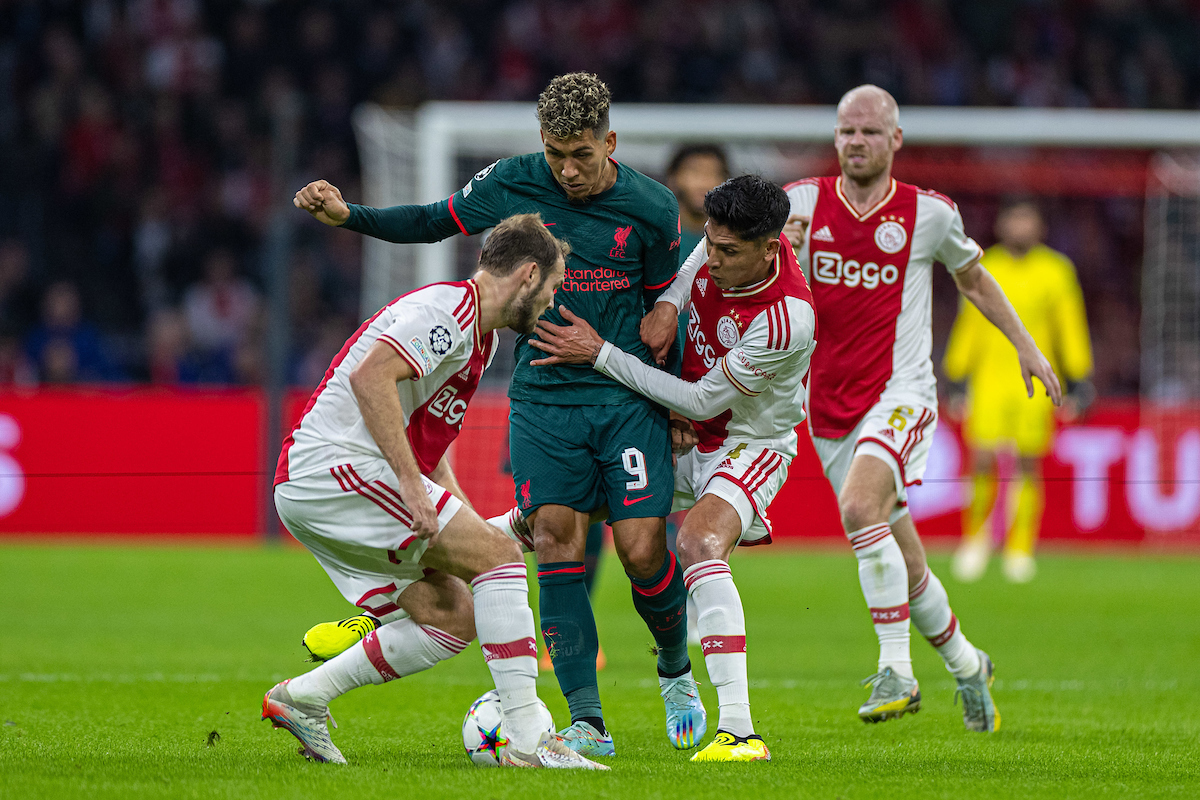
{"x": 727, "y": 332}
{"x": 890, "y": 237}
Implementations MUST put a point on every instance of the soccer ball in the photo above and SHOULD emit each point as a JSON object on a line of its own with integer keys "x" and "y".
{"x": 482, "y": 737}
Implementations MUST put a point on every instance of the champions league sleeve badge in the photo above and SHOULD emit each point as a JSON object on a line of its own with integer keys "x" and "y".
{"x": 439, "y": 340}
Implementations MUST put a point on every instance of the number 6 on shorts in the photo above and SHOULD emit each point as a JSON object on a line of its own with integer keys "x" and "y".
{"x": 635, "y": 464}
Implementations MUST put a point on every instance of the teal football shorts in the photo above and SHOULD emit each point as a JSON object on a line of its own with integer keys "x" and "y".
{"x": 588, "y": 457}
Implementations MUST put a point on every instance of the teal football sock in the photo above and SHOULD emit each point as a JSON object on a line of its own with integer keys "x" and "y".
{"x": 569, "y": 630}
{"x": 591, "y": 555}
{"x": 662, "y": 601}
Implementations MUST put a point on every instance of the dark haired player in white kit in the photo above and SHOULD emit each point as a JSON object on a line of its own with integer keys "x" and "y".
{"x": 750, "y": 335}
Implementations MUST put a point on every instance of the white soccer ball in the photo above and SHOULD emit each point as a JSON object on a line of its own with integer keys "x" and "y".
{"x": 481, "y": 732}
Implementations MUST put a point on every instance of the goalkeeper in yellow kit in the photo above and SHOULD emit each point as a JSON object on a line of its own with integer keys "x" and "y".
{"x": 999, "y": 416}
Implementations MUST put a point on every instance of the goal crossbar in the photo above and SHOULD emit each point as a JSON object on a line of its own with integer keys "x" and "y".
{"x": 445, "y": 130}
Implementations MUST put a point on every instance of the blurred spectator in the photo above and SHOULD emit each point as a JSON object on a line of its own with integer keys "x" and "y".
{"x": 694, "y": 170}
{"x": 62, "y": 345}
{"x": 222, "y": 307}
{"x": 139, "y": 130}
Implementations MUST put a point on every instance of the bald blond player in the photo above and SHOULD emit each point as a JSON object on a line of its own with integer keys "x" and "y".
{"x": 999, "y": 417}
{"x": 869, "y": 243}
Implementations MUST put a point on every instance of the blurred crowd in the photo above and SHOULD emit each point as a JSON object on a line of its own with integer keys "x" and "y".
{"x": 135, "y": 134}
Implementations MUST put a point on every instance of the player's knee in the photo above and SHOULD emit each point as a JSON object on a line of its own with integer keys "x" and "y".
{"x": 696, "y": 545}
{"x": 642, "y": 557}
{"x": 859, "y": 512}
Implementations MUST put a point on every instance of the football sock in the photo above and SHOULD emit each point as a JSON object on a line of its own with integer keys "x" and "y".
{"x": 1028, "y": 517}
{"x": 975, "y": 516}
{"x": 591, "y": 555}
{"x": 661, "y": 599}
{"x": 569, "y": 630}
{"x": 930, "y": 608}
{"x": 392, "y": 651}
{"x": 884, "y": 581}
{"x": 722, "y": 626}
{"x": 506, "y": 631}
{"x": 513, "y": 525}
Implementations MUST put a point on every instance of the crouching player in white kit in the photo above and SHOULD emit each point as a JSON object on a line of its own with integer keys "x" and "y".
{"x": 751, "y": 333}
{"x": 870, "y": 246}
{"x": 364, "y": 484}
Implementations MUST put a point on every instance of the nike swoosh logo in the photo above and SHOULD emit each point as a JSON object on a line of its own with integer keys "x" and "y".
{"x": 629, "y": 502}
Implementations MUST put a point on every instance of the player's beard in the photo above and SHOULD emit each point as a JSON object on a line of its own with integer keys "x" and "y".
{"x": 521, "y": 313}
{"x": 867, "y": 172}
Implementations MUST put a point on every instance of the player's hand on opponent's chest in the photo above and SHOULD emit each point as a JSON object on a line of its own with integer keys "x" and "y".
{"x": 323, "y": 200}
{"x": 796, "y": 229}
{"x": 577, "y": 343}
{"x": 658, "y": 330}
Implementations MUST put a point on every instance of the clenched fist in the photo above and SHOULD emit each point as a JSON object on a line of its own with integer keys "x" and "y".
{"x": 323, "y": 200}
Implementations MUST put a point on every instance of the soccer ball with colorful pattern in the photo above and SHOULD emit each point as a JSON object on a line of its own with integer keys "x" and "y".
{"x": 482, "y": 737}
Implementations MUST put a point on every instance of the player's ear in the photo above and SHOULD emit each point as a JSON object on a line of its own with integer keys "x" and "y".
{"x": 610, "y": 142}
{"x": 772, "y": 247}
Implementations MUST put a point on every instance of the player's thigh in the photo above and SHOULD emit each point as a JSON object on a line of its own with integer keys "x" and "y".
{"x": 747, "y": 477}
{"x": 988, "y": 420}
{"x": 552, "y": 458}
{"x": 443, "y": 601}
{"x": 633, "y": 446}
{"x": 467, "y": 546}
{"x": 898, "y": 433}
{"x": 368, "y": 552}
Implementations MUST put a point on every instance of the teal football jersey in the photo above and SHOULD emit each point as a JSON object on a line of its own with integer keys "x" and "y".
{"x": 625, "y": 252}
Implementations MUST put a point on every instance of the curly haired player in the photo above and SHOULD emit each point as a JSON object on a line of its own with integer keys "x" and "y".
{"x": 579, "y": 440}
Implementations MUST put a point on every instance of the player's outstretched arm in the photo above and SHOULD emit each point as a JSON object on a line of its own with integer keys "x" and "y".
{"x": 427, "y": 223}
{"x": 373, "y": 382}
{"x": 978, "y": 286}
{"x": 578, "y": 343}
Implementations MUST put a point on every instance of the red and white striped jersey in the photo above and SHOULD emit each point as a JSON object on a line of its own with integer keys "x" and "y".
{"x": 435, "y": 329}
{"x": 762, "y": 336}
{"x": 872, "y": 280}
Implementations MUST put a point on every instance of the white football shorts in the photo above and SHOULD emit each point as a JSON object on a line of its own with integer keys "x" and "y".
{"x": 745, "y": 475}
{"x": 352, "y": 520}
{"x": 898, "y": 433}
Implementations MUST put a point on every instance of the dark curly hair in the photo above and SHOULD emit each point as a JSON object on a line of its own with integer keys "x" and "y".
{"x": 574, "y": 103}
{"x": 749, "y": 205}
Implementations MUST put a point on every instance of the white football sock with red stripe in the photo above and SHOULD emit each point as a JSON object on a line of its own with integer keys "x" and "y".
{"x": 504, "y": 623}
{"x": 884, "y": 581}
{"x": 512, "y": 524}
{"x": 392, "y": 651}
{"x": 930, "y": 608}
{"x": 722, "y": 625}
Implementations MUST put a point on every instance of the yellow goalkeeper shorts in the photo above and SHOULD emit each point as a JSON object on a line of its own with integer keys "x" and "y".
{"x": 1002, "y": 420}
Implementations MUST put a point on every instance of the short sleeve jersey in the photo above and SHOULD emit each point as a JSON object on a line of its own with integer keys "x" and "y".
{"x": 762, "y": 337}
{"x": 624, "y": 252}
{"x": 872, "y": 278}
{"x": 436, "y": 331}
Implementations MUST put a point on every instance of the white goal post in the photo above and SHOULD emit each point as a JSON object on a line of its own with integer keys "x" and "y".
{"x": 414, "y": 157}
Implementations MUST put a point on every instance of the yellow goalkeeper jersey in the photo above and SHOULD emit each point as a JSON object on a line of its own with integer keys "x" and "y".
{"x": 1045, "y": 292}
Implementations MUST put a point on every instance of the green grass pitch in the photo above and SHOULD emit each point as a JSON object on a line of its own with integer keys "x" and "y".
{"x": 118, "y": 663}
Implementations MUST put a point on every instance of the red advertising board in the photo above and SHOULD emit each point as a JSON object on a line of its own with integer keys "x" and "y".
{"x": 167, "y": 462}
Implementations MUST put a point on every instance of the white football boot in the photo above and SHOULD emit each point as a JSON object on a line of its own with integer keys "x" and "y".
{"x": 307, "y": 723}
{"x": 550, "y": 753}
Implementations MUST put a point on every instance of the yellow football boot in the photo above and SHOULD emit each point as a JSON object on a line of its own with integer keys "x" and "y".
{"x": 727, "y": 747}
{"x": 329, "y": 639}
{"x": 892, "y": 696}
